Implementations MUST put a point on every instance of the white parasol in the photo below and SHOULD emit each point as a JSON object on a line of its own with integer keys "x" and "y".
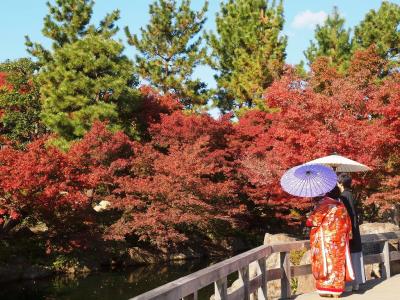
{"x": 340, "y": 164}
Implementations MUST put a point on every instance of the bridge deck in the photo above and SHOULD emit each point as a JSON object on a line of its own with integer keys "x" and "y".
{"x": 372, "y": 290}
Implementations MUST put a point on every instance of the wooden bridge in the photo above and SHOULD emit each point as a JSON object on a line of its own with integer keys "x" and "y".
{"x": 188, "y": 287}
{"x": 372, "y": 290}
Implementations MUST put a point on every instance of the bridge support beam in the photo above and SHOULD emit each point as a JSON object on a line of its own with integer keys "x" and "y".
{"x": 262, "y": 269}
{"x": 286, "y": 291}
{"x": 221, "y": 289}
{"x": 244, "y": 278}
{"x": 386, "y": 259}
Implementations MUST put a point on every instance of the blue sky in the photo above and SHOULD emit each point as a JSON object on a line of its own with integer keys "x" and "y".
{"x": 21, "y": 17}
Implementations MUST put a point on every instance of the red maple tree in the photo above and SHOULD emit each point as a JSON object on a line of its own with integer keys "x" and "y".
{"x": 177, "y": 184}
{"x": 355, "y": 115}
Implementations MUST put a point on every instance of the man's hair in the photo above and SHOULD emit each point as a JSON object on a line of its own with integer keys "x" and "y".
{"x": 334, "y": 193}
{"x": 345, "y": 180}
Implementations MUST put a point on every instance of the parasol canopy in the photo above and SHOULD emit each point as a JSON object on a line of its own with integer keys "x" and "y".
{"x": 340, "y": 164}
{"x": 309, "y": 180}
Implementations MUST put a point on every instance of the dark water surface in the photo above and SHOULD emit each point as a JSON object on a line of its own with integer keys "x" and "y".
{"x": 114, "y": 285}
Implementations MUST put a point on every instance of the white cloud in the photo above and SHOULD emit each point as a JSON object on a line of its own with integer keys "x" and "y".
{"x": 308, "y": 19}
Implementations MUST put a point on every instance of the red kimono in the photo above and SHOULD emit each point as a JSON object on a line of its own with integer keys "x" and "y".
{"x": 329, "y": 239}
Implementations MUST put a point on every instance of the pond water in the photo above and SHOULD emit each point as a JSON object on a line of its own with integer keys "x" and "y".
{"x": 115, "y": 285}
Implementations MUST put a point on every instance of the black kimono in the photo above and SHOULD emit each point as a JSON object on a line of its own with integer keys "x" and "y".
{"x": 348, "y": 201}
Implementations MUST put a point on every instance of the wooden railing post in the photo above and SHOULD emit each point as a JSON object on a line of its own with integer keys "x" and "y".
{"x": 221, "y": 289}
{"x": 386, "y": 259}
{"x": 262, "y": 269}
{"x": 244, "y": 278}
{"x": 286, "y": 275}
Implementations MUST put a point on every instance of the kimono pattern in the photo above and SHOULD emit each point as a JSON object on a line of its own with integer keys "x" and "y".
{"x": 329, "y": 239}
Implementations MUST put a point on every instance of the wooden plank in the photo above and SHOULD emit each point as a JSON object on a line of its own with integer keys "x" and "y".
{"x": 380, "y": 237}
{"x": 262, "y": 271}
{"x": 386, "y": 259}
{"x": 237, "y": 294}
{"x": 244, "y": 279}
{"x": 221, "y": 289}
{"x": 286, "y": 275}
{"x": 394, "y": 255}
{"x": 373, "y": 259}
{"x": 301, "y": 270}
{"x": 255, "y": 283}
{"x": 274, "y": 274}
{"x": 258, "y": 284}
{"x": 287, "y": 247}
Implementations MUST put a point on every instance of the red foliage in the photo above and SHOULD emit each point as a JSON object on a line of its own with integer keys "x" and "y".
{"x": 366, "y": 67}
{"x": 323, "y": 74}
{"x": 153, "y": 106}
{"x": 35, "y": 177}
{"x": 5, "y": 84}
{"x": 99, "y": 152}
{"x": 3, "y": 80}
{"x": 52, "y": 186}
{"x": 193, "y": 173}
{"x": 327, "y": 114}
{"x": 180, "y": 182}
{"x": 384, "y": 108}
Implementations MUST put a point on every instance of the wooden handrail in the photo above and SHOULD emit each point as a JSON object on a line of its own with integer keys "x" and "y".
{"x": 188, "y": 286}
{"x": 380, "y": 237}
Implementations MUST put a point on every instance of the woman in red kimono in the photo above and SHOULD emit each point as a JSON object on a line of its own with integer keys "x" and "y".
{"x": 329, "y": 238}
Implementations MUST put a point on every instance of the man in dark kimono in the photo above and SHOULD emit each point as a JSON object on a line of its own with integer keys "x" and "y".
{"x": 344, "y": 183}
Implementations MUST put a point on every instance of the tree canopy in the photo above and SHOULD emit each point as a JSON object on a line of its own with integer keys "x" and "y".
{"x": 20, "y": 101}
{"x": 331, "y": 40}
{"x": 189, "y": 177}
{"x": 248, "y": 51}
{"x": 170, "y": 48}
{"x": 85, "y": 76}
{"x": 380, "y": 27}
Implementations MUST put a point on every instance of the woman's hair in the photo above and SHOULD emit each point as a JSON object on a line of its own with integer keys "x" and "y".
{"x": 334, "y": 194}
{"x": 344, "y": 180}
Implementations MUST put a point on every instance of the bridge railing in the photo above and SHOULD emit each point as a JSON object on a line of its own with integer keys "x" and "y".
{"x": 187, "y": 287}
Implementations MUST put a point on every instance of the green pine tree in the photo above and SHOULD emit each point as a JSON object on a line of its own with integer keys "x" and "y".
{"x": 170, "y": 49}
{"x": 87, "y": 80}
{"x": 20, "y": 102}
{"x": 382, "y": 29}
{"x": 248, "y": 51}
{"x": 67, "y": 22}
{"x": 84, "y": 77}
{"x": 331, "y": 40}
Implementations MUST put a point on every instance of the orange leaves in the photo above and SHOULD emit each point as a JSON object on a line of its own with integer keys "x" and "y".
{"x": 4, "y": 83}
